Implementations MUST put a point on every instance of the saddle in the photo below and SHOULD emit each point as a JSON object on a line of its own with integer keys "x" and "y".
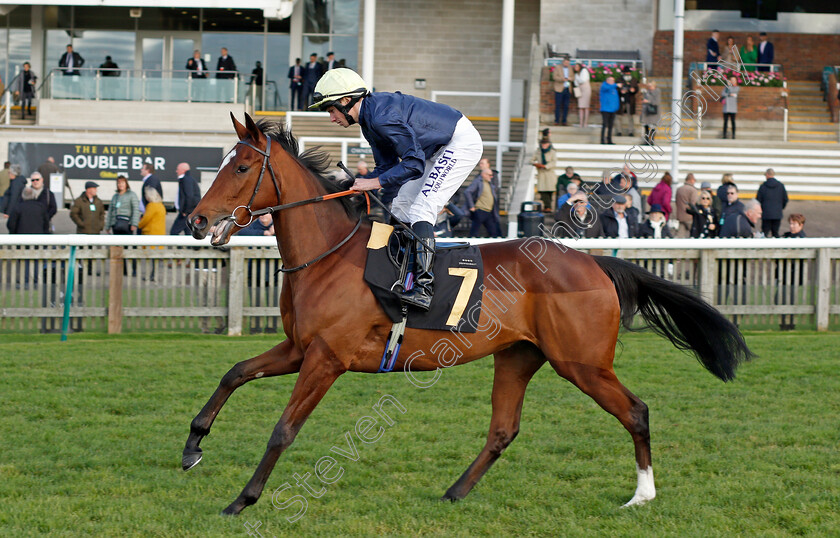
{"x": 459, "y": 277}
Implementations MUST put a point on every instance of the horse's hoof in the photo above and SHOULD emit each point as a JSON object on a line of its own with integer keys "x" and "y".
{"x": 232, "y": 510}
{"x": 637, "y": 500}
{"x": 451, "y": 497}
{"x": 190, "y": 458}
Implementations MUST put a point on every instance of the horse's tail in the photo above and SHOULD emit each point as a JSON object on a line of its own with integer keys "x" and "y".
{"x": 675, "y": 312}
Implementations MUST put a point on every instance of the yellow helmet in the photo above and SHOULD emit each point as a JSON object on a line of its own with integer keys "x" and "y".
{"x": 335, "y": 84}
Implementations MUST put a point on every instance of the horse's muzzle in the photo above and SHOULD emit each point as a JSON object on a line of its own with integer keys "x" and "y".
{"x": 197, "y": 225}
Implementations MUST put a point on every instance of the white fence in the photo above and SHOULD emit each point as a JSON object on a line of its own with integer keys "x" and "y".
{"x": 161, "y": 283}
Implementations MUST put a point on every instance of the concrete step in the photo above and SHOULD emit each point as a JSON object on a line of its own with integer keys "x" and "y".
{"x": 809, "y": 119}
{"x": 795, "y": 127}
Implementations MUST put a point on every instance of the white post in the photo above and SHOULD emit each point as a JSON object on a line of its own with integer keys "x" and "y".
{"x": 367, "y": 44}
{"x": 676, "y": 84}
{"x": 506, "y": 72}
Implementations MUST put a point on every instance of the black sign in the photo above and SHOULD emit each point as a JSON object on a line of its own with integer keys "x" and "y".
{"x": 106, "y": 161}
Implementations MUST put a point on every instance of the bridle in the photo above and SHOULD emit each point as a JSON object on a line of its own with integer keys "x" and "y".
{"x": 273, "y": 209}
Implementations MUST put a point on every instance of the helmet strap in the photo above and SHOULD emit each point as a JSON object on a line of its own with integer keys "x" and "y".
{"x": 345, "y": 109}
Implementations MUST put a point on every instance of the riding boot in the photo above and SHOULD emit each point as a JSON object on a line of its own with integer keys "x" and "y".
{"x": 420, "y": 296}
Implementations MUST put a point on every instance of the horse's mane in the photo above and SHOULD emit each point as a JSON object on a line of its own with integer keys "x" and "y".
{"x": 316, "y": 161}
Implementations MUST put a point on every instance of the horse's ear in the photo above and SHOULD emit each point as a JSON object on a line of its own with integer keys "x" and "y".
{"x": 241, "y": 130}
{"x": 253, "y": 130}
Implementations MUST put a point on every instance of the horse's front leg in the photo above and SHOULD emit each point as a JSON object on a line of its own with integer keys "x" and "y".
{"x": 284, "y": 358}
{"x": 320, "y": 369}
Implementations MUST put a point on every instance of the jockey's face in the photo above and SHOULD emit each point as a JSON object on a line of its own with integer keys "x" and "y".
{"x": 337, "y": 117}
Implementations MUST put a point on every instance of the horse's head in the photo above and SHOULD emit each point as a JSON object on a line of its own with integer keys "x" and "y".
{"x": 245, "y": 182}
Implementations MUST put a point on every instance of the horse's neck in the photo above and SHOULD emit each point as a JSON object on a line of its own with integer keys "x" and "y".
{"x": 305, "y": 232}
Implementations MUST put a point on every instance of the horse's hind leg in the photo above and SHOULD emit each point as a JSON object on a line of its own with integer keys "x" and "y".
{"x": 514, "y": 368}
{"x": 284, "y": 358}
{"x": 603, "y": 386}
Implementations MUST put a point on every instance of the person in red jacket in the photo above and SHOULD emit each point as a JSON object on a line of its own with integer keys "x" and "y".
{"x": 661, "y": 194}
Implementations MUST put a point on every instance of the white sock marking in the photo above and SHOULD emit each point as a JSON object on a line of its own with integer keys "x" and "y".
{"x": 645, "y": 490}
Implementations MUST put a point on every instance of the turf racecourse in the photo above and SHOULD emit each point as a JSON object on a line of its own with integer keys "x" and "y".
{"x": 92, "y": 432}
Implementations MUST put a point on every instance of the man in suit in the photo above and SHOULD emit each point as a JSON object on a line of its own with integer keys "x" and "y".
{"x": 197, "y": 65}
{"x": 226, "y": 65}
{"x": 296, "y": 85}
{"x": 47, "y": 169}
{"x": 189, "y": 194}
{"x": 330, "y": 63}
{"x": 713, "y": 48}
{"x": 70, "y": 62}
{"x": 765, "y": 51}
{"x": 563, "y": 78}
{"x": 149, "y": 180}
{"x": 311, "y": 75}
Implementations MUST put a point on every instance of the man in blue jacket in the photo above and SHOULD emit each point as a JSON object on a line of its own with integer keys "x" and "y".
{"x": 423, "y": 152}
{"x": 609, "y": 106}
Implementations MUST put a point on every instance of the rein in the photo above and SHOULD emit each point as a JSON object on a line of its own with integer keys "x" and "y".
{"x": 273, "y": 209}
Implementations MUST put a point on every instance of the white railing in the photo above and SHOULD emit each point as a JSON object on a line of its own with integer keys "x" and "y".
{"x": 116, "y": 283}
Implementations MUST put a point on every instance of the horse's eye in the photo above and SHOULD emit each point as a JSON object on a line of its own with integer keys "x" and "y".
{"x": 242, "y": 169}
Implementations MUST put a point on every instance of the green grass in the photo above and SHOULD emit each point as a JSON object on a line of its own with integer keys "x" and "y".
{"x": 92, "y": 432}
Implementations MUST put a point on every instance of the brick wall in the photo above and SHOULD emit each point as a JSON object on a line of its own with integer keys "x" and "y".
{"x": 453, "y": 45}
{"x": 760, "y": 104}
{"x": 802, "y": 55}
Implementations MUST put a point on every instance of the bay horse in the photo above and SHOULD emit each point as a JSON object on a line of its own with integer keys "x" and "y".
{"x": 333, "y": 324}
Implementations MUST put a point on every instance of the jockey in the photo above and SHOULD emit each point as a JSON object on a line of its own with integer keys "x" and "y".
{"x": 423, "y": 151}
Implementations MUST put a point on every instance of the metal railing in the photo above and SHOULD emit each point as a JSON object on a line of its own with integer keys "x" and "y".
{"x": 6, "y": 100}
{"x": 141, "y": 85}
{"x": 153, "y": 283}
{"x": 702, "y": 66}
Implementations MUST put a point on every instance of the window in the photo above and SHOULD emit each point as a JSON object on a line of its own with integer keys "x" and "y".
{"x": 332, "y": 25}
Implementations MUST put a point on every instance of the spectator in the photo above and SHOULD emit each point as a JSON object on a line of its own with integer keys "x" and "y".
{"x": 615, "y": 221}
{"x": 47, "y": 169}
{"x": 651, "y": 99}
{"x": 197, "y": 65}
{"x": 565, "y": 179}
{"x": 707, "y": 187}
{"x": 448, "y": 218}
{"x": 482, "y": 198}
{"x": 225, "y": 66}
{"x": 765, "y": 52}
{"x": 29, "y": 216}
{"x": 257, "y": 78}
{"x": 730, "y": 104}
{"x": 312, "y": 73}
{"x": 655, "y": 227}
{"x": 733, "y": 220}
{"x": 571, "y": 190}
{"x": 109, "y": 68}
{"x": 563, "y": 78}
{"x": 88, "y": 211}
{"x": 71, "y": 61}
{"x": 189, "y": 194}
{"x": 25, "y": 90}
{"x": 704, "y": 216}
{"x": 153, "y": 221}
{"x": 4, "y": 177}
{"x": 687, "y": 196}
{"x": 628, "y": 88}
{"x": 661, "y": 194}
{"x": 609, "y": 106}
{"x": 725, "y": 181}
{"x": 296, "y": 85}
{"x": 797, "y": 225}
{"x": 730, "y": 52}
{"x": 773, "y": 198}
{"x": 713, "y": 48}
{"x": 11, "y": 197}
{"x": 749, "y": 54}
{"x": 330, "y": 63}
{"x": 149, "y": 180}
{"x": 607, "y": 188}
{"x": 577, "y": 219}
{"x": 362, "y": 168}
{"x": 632, "y": 212}
{"x": 583, "y": 93}
{"x": 627, "y": 184}
{"x": 545, "y": 160}
{"x": 124, "y": 211}
{"x": 43, "y": 195}
{"x": 753, "y": 213}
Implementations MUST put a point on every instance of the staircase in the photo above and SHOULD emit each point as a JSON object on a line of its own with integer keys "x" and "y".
{"x": 809, "y": 119}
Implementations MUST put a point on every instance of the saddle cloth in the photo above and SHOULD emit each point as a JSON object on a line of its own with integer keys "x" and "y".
{"x": 459, "y": 275}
